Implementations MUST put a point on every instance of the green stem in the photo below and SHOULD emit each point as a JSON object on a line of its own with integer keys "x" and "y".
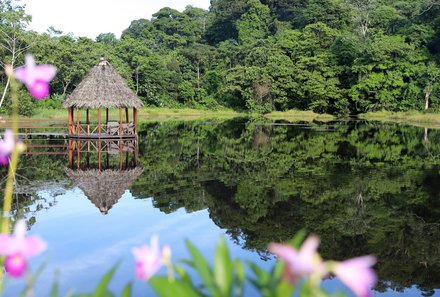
{"x": 7, "y": 201}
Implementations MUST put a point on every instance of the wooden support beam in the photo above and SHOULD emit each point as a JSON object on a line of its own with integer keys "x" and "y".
{"x": 126, "y": 115}
{"x": 78, "y": 147}
{"x": 120, "y": 121}
{"x": 135, "y": 120}
{"x": 71, "y": 147}
{"x": 78, "y": 116}
{"x": 99, "y": 124}
{"x": 72, "y": 118}
{"x": 99, "y": 154}
{"x": 106, "y": 116}
{"x": 120, "y": 154}
{"x": 88, "y": 121}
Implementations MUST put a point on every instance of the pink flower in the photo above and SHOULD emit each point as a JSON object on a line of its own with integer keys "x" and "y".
{"x": 6, "y": 147}
{"x": 36, "y": 78}
{"x": 18, "y": 248}
{"x": 357, "y": 274}
{"x": 305, "y": 261}
{"x": 149, "y": 259}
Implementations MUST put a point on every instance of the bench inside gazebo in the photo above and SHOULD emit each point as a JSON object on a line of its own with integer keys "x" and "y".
{"x": 102, "y": 89}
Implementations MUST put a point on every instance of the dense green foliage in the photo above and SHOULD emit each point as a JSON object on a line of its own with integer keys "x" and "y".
{"x": 334, "y": 56}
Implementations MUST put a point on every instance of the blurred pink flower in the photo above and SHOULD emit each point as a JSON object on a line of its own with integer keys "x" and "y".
{"x": 36, "y": 77}
{"x": 18, "y": 248}
{"x": 357, "y": 274}
{"x": 302, "y": 262}
{"x": 6, "y": 146}
{"x": 149, "y": 259}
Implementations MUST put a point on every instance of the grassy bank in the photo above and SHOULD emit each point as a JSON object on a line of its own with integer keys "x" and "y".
{"x": 416, "y": 118}
{"x": 299, "y": 115}
{"x": 164, "y": 114}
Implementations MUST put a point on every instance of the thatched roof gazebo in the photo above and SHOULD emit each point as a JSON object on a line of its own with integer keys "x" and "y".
{"x": 102, "y": 88}
{"x": 104, "y": 188}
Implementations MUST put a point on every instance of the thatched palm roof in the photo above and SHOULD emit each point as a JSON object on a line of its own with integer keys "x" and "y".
{"x": 102, "y": 87}
{"x": 104, "y": 188}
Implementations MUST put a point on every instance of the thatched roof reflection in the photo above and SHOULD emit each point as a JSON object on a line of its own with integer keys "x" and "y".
{"x": 104, "y": 188}
{"x": 103, "y": 87}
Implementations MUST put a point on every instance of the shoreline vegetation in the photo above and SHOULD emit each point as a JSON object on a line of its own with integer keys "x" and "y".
{"x": 415, "y": 118}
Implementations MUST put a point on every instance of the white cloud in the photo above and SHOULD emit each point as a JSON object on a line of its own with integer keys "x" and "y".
{"x": 92, "y": 17}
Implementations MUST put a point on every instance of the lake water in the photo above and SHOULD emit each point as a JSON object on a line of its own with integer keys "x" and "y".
{"x": 365, "y": 188}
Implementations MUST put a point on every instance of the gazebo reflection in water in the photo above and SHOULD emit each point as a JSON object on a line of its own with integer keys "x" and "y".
{"x": 103, "y": 169}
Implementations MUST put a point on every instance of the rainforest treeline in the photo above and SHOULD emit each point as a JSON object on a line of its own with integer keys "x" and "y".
{"x": 329, "y": 56}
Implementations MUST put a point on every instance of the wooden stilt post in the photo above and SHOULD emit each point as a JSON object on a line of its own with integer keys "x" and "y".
{"x": 69, "y": 120}
{"x": 71, "y": 147}
{"x": 126, "y": 115}
{"x": 73, "y": 121}
{"x": 88, "y": 121}
{"x": 120, "y": 154}
{"x": 99, "y": 124}
{"x": 120, "y": 121}
{"x": 78, "y": 147}
{"x": 136, "y": 152}
{"x": 135, "y": 120}
{"x": 78, "y": 116}
{"x": 99, "y": 154}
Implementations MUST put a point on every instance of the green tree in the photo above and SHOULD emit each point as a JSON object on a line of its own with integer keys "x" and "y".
{"x": 254, "y": 24}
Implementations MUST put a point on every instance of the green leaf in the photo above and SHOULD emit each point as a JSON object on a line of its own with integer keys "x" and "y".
{"x": 223, "y": 268}
{"x": 166, "y": 288}
{"x": 297, "y": 240}
{"x": 285, "y": 289}
{"x": 240, "y": 277}
{"x": 202, "y": 267}
{"x": 101, "y": 289}
{"x": 127, "y": 290}
{"x": 54, "y": 292}
{"x": 32, "y": 280}
{"x": 278, "y": 271}
{"x": 241, "y": 273}
{"x": 183, "y": 275}
{"x": 263, "y": 277}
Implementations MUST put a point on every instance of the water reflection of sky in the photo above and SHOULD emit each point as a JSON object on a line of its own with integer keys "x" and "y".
{"x": 84, "y": 244}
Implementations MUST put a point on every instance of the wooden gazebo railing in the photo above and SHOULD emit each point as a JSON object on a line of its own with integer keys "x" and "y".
{"x": 78, "y": 128}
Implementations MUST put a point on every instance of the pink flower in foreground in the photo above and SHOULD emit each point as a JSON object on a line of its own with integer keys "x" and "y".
{"x": 305, "y": 261}
{"x": 36, "y": 77}
{"x": 149, "y": 259}
{"x": 357, "y": 274}
{"x": 18, "y": 248}
{"x": 6, "y": 147}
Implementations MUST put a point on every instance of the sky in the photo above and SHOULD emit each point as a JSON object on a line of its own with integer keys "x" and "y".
{"x": 91, "y": 17}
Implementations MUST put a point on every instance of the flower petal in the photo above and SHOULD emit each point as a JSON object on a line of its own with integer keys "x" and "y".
{"x": 45, "y": 72}
{"x": 33, "y": 246}
{"x": 5, "y": 244}
{"x": 357, "y": 274}
{"x": 7, "y": 143}
{"x": 21, "y": 74}
{"x": 20, "y": 229}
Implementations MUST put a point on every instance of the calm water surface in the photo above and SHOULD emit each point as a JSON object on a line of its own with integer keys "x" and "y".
{"x": 365, "y": 188}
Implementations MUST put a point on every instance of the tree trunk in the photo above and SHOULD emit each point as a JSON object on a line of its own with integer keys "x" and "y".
{"x": 4, "y": 91}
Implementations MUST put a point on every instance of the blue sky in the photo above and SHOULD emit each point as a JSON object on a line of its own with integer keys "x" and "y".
{"x": 92, "y": 17}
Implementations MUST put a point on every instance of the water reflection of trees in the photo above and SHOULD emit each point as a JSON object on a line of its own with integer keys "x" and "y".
{"x": 37, "y": 175}
{"x": 365, "y": 188}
